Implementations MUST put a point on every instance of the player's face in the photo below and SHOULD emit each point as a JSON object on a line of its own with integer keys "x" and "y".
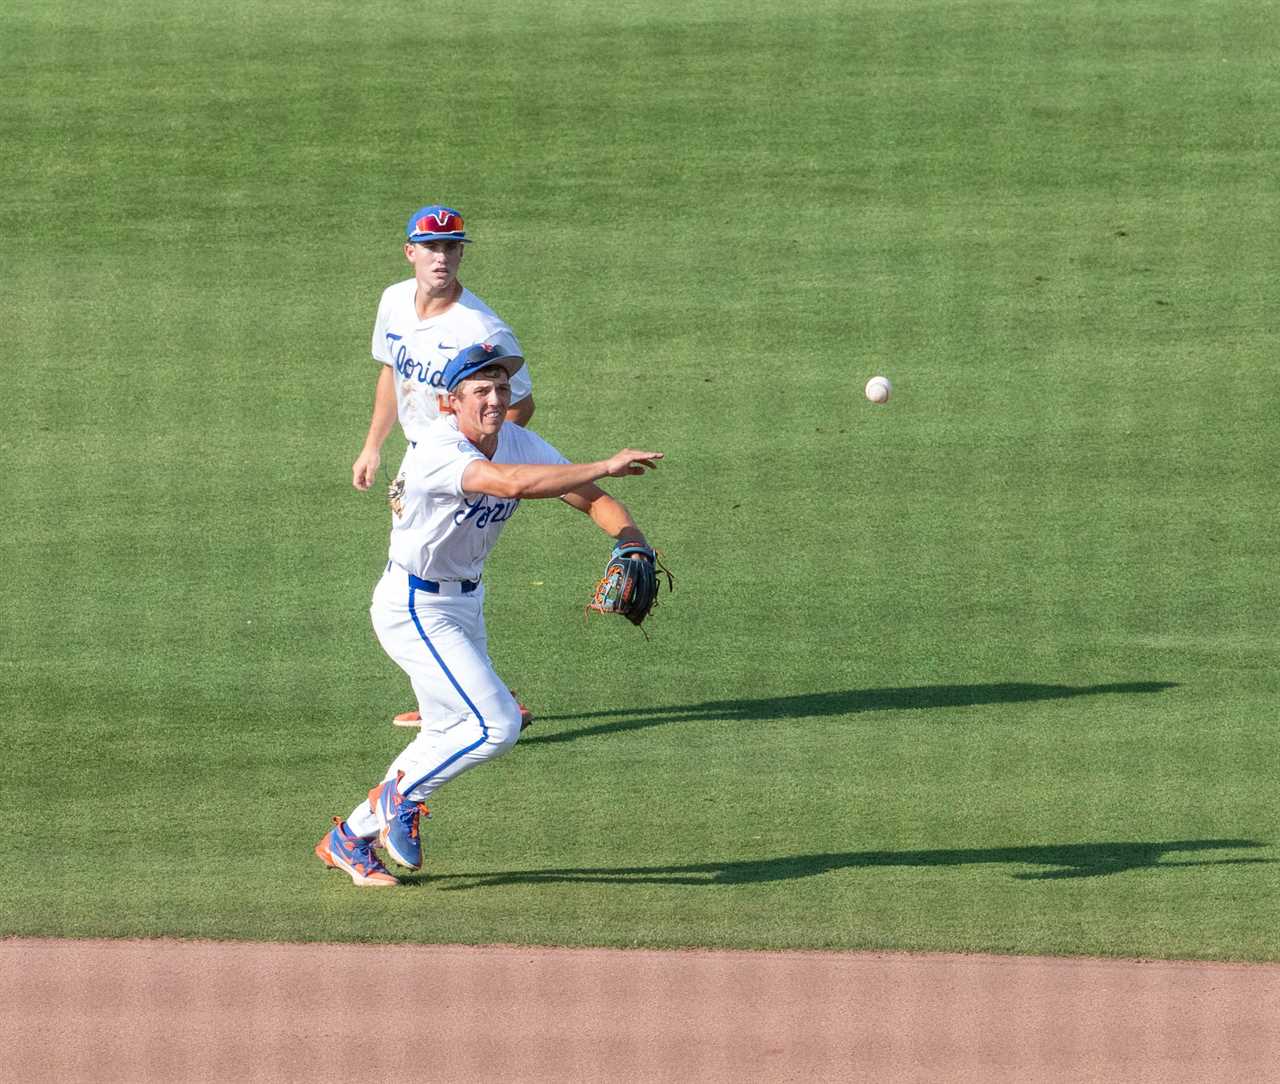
{"x": 435, "y": 263}
{"x": 481, "y": 405}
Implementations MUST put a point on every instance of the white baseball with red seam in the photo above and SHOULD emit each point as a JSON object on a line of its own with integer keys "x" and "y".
{"x": 879, "y": 389}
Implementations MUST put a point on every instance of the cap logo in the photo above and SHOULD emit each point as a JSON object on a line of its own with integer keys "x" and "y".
{"x": 471, "y": 360}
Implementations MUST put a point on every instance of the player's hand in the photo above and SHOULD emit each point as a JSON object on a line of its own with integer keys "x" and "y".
{"x": 629, "y": 461}
{"x": 365, "y": 469}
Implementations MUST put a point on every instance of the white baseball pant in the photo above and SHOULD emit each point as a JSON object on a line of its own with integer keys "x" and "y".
{"x": 438, "y": 638}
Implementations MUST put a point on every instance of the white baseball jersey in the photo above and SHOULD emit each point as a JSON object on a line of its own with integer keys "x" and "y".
{"x": 438, "y": 531}
{"x": 418, "y": 350}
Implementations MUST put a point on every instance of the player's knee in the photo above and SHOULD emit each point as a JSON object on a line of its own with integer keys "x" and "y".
{"x": 504, "y": 725}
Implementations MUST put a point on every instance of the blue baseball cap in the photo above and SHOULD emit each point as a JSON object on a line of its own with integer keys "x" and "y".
{"x": 477, "y": 357}
{"x": 436, "y": 223}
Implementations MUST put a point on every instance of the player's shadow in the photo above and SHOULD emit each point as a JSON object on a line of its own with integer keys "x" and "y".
{"x": 1059, "y": 861}
{"x": 845, "y": 702}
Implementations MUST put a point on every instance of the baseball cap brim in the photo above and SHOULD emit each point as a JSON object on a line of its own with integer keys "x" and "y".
{"x": 427, "y": 238}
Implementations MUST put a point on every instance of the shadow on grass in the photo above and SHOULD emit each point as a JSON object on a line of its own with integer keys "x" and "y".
{"x": 846, "y": 702}
{"x": 1062, "y": 861}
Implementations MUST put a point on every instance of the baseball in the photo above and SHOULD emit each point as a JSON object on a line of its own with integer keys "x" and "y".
{"x": 879, "y": 389}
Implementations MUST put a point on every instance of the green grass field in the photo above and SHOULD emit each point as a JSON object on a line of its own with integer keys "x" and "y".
{"x": 993, "y": 667}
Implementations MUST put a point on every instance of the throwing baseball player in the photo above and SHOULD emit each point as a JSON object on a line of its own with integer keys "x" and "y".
{"x": 462, "y": 478}
{"x": 422, "y": 323}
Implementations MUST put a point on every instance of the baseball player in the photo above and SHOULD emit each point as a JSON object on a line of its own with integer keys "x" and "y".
{"x": 461, "y": 480}
{"x": 421, "y": 324}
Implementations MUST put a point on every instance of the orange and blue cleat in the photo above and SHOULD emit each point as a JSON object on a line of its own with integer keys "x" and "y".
{"x": 398, "y": 822}
{"x": 353, "y": 855}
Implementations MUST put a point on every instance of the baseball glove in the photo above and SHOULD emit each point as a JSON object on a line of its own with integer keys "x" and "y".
{"x": 630, "y": 583}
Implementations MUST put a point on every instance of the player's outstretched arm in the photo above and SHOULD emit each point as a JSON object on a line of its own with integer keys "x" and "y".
{"x": 609, "y": 514}
{"x": 365, "y": 469}
{"x": 530, "y": 481}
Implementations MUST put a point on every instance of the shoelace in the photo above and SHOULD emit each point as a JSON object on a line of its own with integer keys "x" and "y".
{"x": 409, "y": 813}
{"x": 363, "y": 857}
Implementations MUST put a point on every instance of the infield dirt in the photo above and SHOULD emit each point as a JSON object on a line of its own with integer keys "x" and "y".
{"x": 204, "y": 1011}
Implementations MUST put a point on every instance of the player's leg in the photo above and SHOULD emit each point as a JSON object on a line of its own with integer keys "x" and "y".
{"x": 472, "y": 718}
{"x": 470, "y": 715}
{"x": 413, "y": 719}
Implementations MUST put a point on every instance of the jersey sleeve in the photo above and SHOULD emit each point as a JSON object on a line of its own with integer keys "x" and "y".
{"x": 379, "y": 346}
{"x": 443, "y": 459}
